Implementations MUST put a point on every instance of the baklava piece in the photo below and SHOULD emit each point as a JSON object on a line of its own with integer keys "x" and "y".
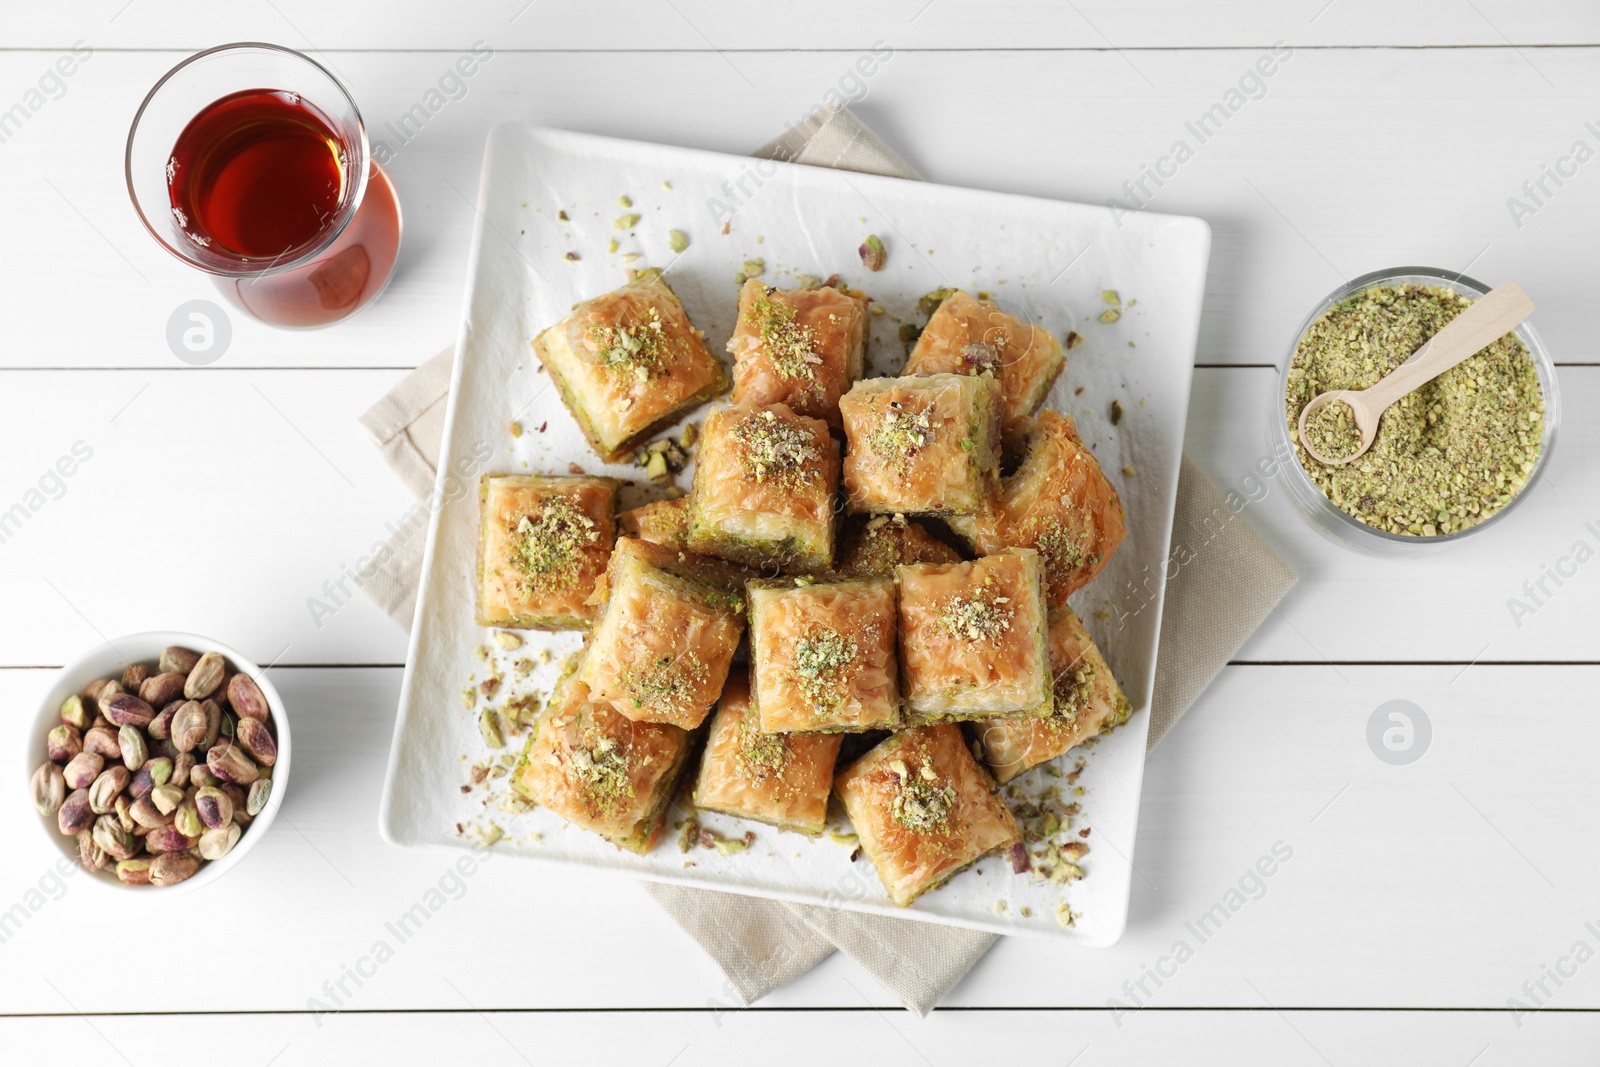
{"x": 799, "y": 347}
{"x": 966, "y": 335}
{"x": 628, "y": 363}
{"x": 764, "y": 486}
{"x": 601, "y": 771}
{"x": 781, "y": 779}
{"x": 661, "y": 522}
{"x": 1058, "y": 502}
{"x": 924, "y": 809}
{"x": 1088, "y": 702}
{"x": 543, "y": 544}
{"x": 823, "y": 656}
{"x": 661, "y": 650}
{"x": 922, "y": 446}
{"x": 973, "y": 639}
{"x": 872, "y": 547}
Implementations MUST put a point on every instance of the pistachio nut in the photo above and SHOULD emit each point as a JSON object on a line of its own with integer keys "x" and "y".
{"x": 133, "y": 676}
{"x": 218, "y": 842}
{"x": 229, "y": 762}
{"x": 105, "y": 789}
{"x": 146, "y": 814}
{"x": 215, "y": 807}
{"x": 133, "y": 748}
{"x": 113, "y": 839}
{"x": 160, "y": 728}
{"x": 172, "y": 868}
{"x": 124, "y": 809}
{"x": 125, "y": 709}
{"x": 63, "y": 743}
{"x": 242, "y": 819}
{"x": 75, "y": 815}
{"x": 182, "y": 768}
{"x": 134, "y": 872}
{"x": 187, "y": 820}
{"x": 91, "y": 855}
{"x": 163, "y": 839}
{"x": 245, "y": 698}
{"x": 201, "y": 776}
{"x": 159, "y": 690}
{"x": 83, "y": 769}
{"x": 103, "y": 741}
{"x": 108, "y": 692}
{"x": 166, "y": 798}
{"x": 48, "y": 789}
{"x": 221, "y": 694}
{"x": 205, "y": 677}
{"x": 91, "y": 692}
{"x": 213, "y": 713}
{"x": 189, "y": 726}
{"x": 489, "y": 727}
{"x": 73, "y": 712}
{"x": 177, "y": 659}
{"x": 257, "y": 740}
{"x": 260, "y": 793}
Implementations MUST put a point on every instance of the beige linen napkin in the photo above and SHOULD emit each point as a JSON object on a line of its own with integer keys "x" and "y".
{"x": 1216, "y": 600}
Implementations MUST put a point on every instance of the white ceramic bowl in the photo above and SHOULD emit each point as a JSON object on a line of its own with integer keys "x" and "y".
{"x": 106, "y": 661}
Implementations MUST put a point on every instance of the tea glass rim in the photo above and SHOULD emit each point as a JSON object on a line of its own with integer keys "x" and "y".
{"x": 348, "y": 205}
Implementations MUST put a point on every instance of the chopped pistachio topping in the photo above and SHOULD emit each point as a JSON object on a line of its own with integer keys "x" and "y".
{"x": 666, "y": 683}
{"x": 636, "y": 350}
{"x": 979, "y": 357}
{"x": 790, "y": 346}
{"x": 761, "y": 754}
{"x": 677, "y": 240}
{"x": 929, "y": 302}
{"x": 903, "y": 429}
{"x": 1449, "y": 454}
{"x": 1060, "y": 549}
{"x": 602, "y": 769}
{"x": 626, "y": 222}
{"x": 776, "y": 449}
{"x": 983, "y": 616}
{"x": 549, "y": 542}
{"x": 1074, "y": 687}
{"x": 822, "y": 659}
{"x": 1333, "y": 430}
{"x": 920, "y": 803}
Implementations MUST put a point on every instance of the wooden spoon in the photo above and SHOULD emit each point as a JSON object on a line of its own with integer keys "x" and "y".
{"x": 1490, "y": 318}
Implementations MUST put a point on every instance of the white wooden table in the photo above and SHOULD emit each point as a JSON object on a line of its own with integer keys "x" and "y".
{"x": 1421, "y": 901}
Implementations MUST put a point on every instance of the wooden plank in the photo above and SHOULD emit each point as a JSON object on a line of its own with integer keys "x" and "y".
{"x": 236, "y": 536}
{"x": 1200, "y": 1038}
{"x": 1349, "y": 161}
{"x": 1446, "y": 883}
{"x": 706, "y": 24}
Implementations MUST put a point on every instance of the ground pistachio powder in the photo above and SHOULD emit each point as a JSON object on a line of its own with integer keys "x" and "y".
{"x": 1448, "y": 455}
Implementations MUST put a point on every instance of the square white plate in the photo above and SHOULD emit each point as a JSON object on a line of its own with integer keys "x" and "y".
{"x": 1042, "y": 258}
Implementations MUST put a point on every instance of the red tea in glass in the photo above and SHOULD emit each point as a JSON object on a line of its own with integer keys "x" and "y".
{"x": 270, "y": 190}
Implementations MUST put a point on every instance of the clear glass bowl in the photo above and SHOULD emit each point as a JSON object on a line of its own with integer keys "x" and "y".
{"x": 1338, "y": 524}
